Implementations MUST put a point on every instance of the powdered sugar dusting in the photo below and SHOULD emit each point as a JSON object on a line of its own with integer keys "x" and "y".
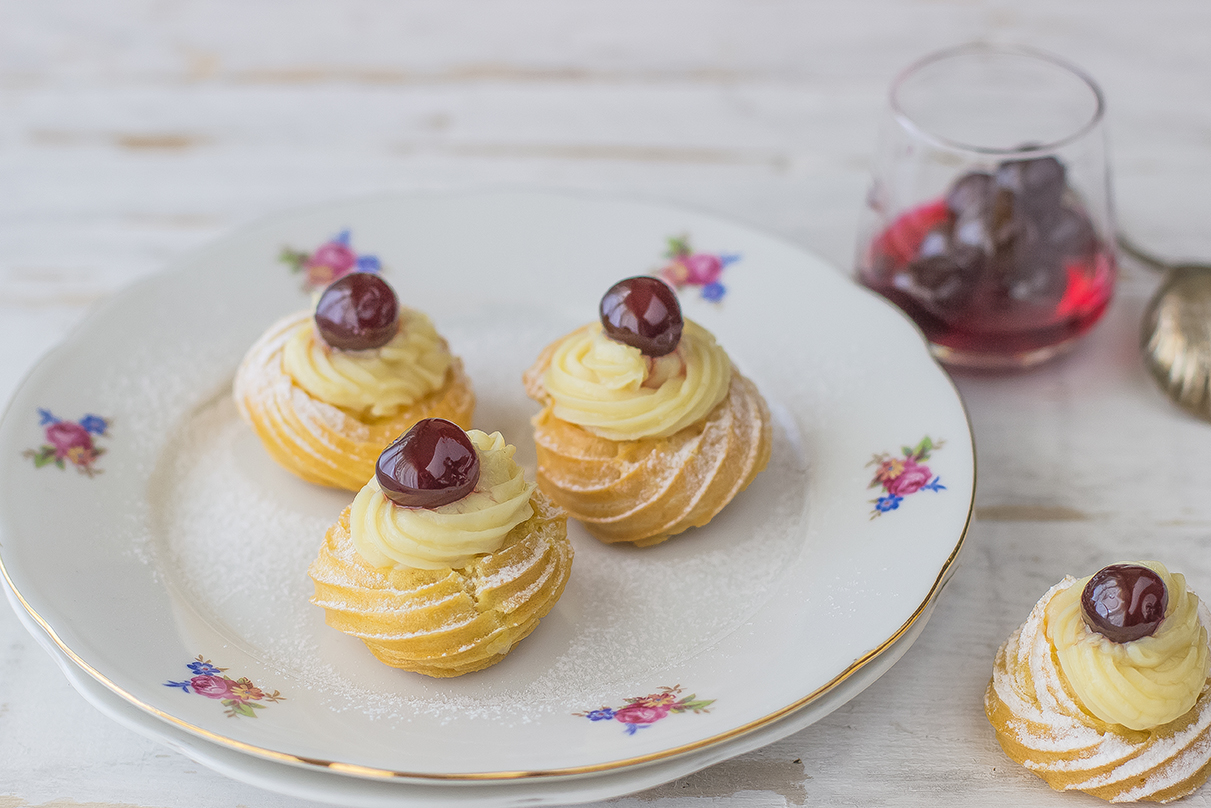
{"x": 235, "y": 535}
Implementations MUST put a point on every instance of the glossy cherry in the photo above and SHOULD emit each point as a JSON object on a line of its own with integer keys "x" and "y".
{"x": 432, "y": 464}
{"x": 643, "y": 312}
{"x": 357, "y": 312}
{"x": 1124, "y": 602}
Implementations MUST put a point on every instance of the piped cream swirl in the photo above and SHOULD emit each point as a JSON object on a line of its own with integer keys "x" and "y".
{"x": 1139, "y": 684}
{"x": 1042, "y": 724}
{"x": 613, "y": 391}
{"x": 376, "y": 383}
{"x": 388, "y": 535}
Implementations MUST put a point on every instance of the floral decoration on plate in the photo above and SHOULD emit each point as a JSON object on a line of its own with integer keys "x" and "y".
{"x": 901, "y": 476}
{"x": 239, "y": 696}
{"x": 639, "y": 713}
{"x": 331, "y": 260}
{"x": 688, "y": 268}
{"x": 70, "y": 442}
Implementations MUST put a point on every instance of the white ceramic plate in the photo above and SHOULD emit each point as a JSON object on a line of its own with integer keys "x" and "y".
{"x": 324, "y": 785}
{"x": 190, "y": 547}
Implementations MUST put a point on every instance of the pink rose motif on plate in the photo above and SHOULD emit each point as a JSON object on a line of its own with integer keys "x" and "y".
{"x": 335, "y": 256}
{"x": 901, "y": 476}
{"x": 70, "y": 442}
{"x": 640, "y": 714}
{"x": 702, "y": 269}
{"x": 212, "y": 687}
{"x": 643, "y": 711}
{"x": 331, "y": 260}
{"x": 688, "y": 268}
{"x": 911, "y": 479}
{"x": 239, "y": 696}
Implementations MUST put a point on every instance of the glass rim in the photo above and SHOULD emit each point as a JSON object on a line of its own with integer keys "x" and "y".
{"x": 986, "y": 48}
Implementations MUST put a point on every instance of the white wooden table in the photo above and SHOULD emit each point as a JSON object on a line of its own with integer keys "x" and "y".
{"x": 132, "y": 131}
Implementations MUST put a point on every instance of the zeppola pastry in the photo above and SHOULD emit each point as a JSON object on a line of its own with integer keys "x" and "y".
{"x": 326, "y": 392}
{"x": 447, "y": 557}
{"x": 1105, "y": 689}
{"x": 646, "y": 428}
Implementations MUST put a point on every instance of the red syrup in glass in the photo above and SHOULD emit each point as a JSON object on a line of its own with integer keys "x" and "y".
{"x": 1006, "y": 264}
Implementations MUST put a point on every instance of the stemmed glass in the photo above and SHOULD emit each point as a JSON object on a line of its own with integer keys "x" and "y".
{"x": 989, "y": 221}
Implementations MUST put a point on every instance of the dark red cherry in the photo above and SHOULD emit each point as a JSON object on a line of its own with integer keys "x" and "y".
{"x": 432, "y": 464}
{"x": 968, "y": 195}
{"x": 643, "y": 312}
{"x": 1037, "y": 183}
{"x": 1124, "y": 602}
{"x": 357, "y": 312}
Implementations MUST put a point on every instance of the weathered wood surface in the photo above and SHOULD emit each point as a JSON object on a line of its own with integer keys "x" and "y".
{"x": 132, "y": 132}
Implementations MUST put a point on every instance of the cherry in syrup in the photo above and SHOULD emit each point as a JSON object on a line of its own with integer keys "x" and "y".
{"x": 643, "y": 312}
{"x": 357, "y": 312}
{"x": 432, "y": 464}
{"x": 1124, "y": 602}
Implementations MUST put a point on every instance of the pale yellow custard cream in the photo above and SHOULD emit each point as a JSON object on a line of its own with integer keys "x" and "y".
{"x": 617, "y": 393}
{"x": 377, "y": 383}
{"x": 389, "y": 535}
{"x": 1139, "y": 684}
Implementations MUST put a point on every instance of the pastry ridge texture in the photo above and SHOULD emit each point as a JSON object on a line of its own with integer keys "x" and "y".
{"x": 646, "y": 490}
{"x": 1040, "y": 724}
{"x": 318, "y": 441}
{"x": 446, "y": 622}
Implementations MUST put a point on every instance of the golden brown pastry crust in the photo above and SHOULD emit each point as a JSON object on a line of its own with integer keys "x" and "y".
{"x": 1040, "y": 724}
{"x": 647, "y": 490}
{"x": 446, "y": 622}
{"x": 320, "y": 442}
